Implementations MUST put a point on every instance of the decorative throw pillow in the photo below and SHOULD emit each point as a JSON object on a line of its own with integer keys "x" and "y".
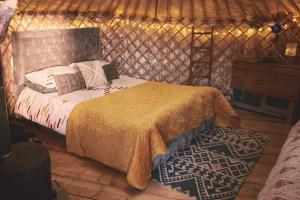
{"x": 92, "y": 73}
{"x": 111, "y": 71}
{"x": 42, "y": 80}
{"x": 67, "y": 83}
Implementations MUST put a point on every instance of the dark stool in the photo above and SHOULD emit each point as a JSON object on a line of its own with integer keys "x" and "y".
{"x": 26, "y": 173}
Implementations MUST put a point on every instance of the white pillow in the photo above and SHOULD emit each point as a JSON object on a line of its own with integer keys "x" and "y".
{"x": 43, "y": 81}
{"x": 92, "y": 73}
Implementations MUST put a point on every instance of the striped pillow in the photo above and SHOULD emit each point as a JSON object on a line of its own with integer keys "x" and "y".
{"x": 42, "y": 81}
{"x": 39, "y": 87}
{"x": 67, "y": 83}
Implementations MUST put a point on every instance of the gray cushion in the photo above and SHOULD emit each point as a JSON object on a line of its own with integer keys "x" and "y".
{"x": 111, "y": 72}
{"x": 67, "y": 83}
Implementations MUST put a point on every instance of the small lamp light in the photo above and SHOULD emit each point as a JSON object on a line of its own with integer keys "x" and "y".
{"x": 291, "y": 49}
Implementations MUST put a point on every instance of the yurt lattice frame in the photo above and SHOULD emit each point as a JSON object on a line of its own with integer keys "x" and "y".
{"x": 152, "y": 39}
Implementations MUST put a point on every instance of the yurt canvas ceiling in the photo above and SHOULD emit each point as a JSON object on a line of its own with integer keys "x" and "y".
{"x": 210, "y": 11}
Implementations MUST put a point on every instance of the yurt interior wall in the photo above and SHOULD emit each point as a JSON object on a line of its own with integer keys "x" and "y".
{"x": 131, "y": 122}
{"x": 152, "y": 39}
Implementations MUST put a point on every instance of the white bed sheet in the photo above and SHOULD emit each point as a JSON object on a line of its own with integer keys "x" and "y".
{"x": 52, "y": 111}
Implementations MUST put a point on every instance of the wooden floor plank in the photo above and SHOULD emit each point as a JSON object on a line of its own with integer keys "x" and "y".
{"x": 249, "y": 191}
{"x": 85, "y": 179}
{"x": 74, "y": 197}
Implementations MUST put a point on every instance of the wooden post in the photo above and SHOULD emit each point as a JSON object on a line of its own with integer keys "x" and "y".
{"x": 7, "y": 9}
{"x": 5, "y": 140}
{"x": 191, "y": 58}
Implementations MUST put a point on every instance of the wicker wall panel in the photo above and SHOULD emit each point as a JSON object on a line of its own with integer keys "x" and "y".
{"x": 156, "y": 51}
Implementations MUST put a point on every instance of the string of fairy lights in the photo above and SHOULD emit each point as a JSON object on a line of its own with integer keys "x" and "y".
{"x": 249, "y": 31}
{"x": 41, "y": 22}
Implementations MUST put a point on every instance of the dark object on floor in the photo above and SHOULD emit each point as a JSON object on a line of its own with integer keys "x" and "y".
{"x": 60, "y": 194}
{"x": 214, "y": 166}
{"x": 25, "y": 174}
{"x": 18, "y": 135}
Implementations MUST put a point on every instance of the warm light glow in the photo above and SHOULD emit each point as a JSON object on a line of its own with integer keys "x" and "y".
{"x": 34, "y": 23}
{"x": 237, "y": 32}
{"x": 251, "y": 30}
{"x": 291, "y": 49}
{"x": 178, "y": 27}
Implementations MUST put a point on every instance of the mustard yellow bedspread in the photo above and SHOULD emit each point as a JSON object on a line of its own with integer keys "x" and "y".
{"x": 128, "y": 129}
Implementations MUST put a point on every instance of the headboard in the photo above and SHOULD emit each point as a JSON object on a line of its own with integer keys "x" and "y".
{"x": 35, "y": 50}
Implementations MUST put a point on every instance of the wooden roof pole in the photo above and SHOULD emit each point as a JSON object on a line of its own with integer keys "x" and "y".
{"x": 204, "y": 11}
{"x": 126, "y": 6}
{"x": 45, "y": 12}
{"x": 136, "y": 7}
{"x": 168, "y": 11}
{"x": 22, "y": 16}
{"x": 48, "y": 8}
{"x": 59, "y": 10}
{"x": 146, "y": 9}
{"x": 86, "y": 10}
{"x": 70, "y": 5}
{"x": 242, "y": 10}
{"x": 266, "y": 6}
{"x": 75, "y": 9}
{"x": 181, "y": 10}
{"x": 295, "y": 6}
{"x": 34, "y": 16}
{"x": 60, "y": 5}
{"x": 156, "y": 9}
{"x": 89, "y": 6}
{"x": 217, "y": 8}
{"x": 256, "y": 9}
{"x": 284, "y": 8}
{"x": 99, "y": 7}
{"x": 26, "y": 6}
{"x": 192, "y": 10}
{"x": 228, "y": 10}
{"x": 114, "y": 7}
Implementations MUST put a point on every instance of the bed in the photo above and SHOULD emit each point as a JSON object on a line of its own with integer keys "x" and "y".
{"x": 52, "y": 111}
{"x": 125, "y": 124}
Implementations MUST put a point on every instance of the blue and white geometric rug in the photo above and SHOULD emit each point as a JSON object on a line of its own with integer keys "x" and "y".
{"x": 214, "y": 165}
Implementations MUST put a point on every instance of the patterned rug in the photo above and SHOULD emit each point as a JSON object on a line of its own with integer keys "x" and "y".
{"x": 214, "y": 166}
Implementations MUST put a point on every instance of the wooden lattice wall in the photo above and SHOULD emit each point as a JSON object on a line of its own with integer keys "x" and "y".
{"x": 156, "y": 51}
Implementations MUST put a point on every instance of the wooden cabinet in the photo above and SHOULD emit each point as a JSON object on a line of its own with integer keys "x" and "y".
{"x": 269, "y": 80}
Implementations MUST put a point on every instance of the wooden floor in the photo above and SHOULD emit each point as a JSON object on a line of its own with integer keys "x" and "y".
{"x": 85, "y": 179}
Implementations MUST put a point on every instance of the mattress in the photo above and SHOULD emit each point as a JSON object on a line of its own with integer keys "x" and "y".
{"x": 52, "y": 111}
